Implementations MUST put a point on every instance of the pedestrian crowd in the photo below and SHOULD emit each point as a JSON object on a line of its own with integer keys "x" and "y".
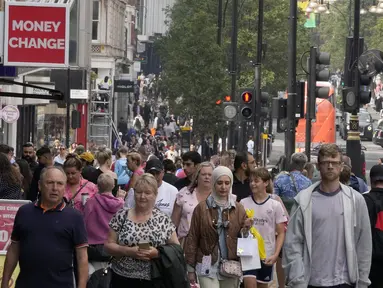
{"x": 141, "y": 218}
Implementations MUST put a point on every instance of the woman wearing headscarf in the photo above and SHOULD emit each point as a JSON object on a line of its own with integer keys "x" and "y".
{"x": 213, "y": 234}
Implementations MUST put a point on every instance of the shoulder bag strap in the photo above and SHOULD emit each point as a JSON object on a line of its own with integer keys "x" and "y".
{"x": 78, "y": 191}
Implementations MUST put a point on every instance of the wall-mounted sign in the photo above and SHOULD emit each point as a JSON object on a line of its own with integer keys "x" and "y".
{"x": 79, "y": 94}
{"x": 10, "y": 114}
{"x": 36, "y": 34}
{"x": 123, "y": 86}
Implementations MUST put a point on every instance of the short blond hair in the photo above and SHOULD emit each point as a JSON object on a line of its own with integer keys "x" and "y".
{"x": 147, "y": 180}
{"x": 105, "y": 183}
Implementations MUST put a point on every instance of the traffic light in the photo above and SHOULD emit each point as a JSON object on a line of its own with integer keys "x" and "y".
{"x": 364, "y": 90}
{"x": 230, "y": 111}
{"x": 300, "y": 100}
{"x": 246, "y": 100}
{"x": 317, "y": 72}
{"x": 265, "y": 104}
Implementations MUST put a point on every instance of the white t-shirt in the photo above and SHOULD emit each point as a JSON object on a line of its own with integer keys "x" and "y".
{"x": 171, "y": 155}
{"x": 165, "y": 199}
{"x": 266, "y": 216}
{"x": 250, "y": 146}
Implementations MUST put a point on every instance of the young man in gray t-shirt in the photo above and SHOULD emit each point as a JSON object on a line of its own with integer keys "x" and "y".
{"x": 327, "y": 243}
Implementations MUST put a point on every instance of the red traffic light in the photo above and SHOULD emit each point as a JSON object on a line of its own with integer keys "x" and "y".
{"x": 247, "y": 97}
{"x": 218, "y": 102}
{"x": 227, "y": 98}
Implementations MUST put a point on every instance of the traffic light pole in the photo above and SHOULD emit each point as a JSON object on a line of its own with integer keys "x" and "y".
{"x": 233, "y": 72}
{"x": 292, "y": 75}
{"x": 257, "y": 109}
{"x": 258, "y": 124}
{"x": 353, "y": 137}
{"x": 311, "y": 99}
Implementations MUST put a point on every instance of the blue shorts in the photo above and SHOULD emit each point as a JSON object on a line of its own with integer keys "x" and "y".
{"x": 263, "y": 275}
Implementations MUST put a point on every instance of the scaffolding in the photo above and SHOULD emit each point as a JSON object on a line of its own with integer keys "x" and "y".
{"x": 101, "y": 126}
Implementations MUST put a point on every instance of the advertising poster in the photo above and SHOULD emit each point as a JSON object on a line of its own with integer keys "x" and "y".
{"x": 8, "y": 210}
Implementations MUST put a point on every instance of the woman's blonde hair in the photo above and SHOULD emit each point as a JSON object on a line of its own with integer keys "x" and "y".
{"x": 194, "y": 182}
{"x": 103, "y": 155}
{"x": 146, "y": 180}
{"x": 263, "y": 174}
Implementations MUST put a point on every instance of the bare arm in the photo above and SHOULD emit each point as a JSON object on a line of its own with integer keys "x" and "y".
{"x": 176, "y": 215}
{"x": 114, "y": 249}
{"x": 133, "y": 181}
{"x": 82, "y": 266}
{"x": 280, "y": 229}
{"x": 173, "y": 239}
{"x": 10, "y": 263}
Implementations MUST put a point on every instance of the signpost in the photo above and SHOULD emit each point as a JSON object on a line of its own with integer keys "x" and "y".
{"x": 36, "y": 34}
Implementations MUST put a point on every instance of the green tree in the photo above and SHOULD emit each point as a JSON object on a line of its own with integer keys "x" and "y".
{"x": 193, "y": 63}
{"x": 195, "y": 66}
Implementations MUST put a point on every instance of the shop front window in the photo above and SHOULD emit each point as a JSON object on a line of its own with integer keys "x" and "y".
{"x": 51, "y": 123}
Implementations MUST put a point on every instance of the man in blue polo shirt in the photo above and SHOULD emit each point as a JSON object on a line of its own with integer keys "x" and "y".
{"x": 46, "y": 235}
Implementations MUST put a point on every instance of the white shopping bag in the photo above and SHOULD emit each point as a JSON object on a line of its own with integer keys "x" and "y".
{"x": 251, "y": 262}
{"x": 245, "y": 246}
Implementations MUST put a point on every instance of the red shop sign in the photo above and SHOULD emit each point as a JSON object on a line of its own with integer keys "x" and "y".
{"x": 36, "y": 34}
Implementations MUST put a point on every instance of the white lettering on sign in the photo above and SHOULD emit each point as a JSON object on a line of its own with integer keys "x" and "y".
{"x": 41, "y": 26}
{"x": 37, "y": 43}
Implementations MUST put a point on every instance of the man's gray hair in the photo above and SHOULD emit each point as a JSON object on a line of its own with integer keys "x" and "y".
{"x": 298, "y": 161}
{"x": 50, "y": 168}
{"x": 105, "y": 183}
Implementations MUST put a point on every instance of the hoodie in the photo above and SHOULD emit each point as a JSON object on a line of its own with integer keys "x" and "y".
{"x": 298, "y": 242}
{"x": 98, "y": 212}
{"x": 121, "y": 169}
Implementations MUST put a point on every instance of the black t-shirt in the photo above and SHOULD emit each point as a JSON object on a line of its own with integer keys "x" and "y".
{"x": 242, "y": 190}
{"x": 181, "y": 183}
{"x": 170, "y": 178}
{"x": 47, "y": 243}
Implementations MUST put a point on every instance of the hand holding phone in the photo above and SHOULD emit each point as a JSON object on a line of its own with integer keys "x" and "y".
{"x": 144, "y": 246}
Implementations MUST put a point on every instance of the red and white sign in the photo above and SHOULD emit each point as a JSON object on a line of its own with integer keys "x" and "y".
{"x": 36, "y": 34}
{"x": 8, "y": 210}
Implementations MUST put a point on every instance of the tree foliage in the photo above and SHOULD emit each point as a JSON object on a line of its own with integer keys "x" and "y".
{"x": 336, "y": 26}
{"x": 195, "y": 67}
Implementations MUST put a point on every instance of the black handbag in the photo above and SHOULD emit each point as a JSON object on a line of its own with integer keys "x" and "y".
{"x": 100, "y": 278}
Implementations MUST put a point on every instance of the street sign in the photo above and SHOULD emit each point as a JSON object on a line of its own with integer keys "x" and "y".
{"x": 36, "y": 34}
{"x": 123, "y": 86}
{"x": 81, "y": 94}
{"x": 10, "y": 114}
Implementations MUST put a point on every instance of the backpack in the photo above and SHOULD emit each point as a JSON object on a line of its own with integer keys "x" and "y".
{"x": 377, "y": 226}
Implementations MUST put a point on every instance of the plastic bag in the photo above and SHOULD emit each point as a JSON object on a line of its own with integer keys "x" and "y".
{"x": 257, "y": 235}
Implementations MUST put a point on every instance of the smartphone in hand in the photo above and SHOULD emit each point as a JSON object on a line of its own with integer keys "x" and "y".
{"x": 144, "y": 246}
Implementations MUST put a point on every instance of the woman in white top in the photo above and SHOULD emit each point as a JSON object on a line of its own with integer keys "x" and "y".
{"x": 60, "y": 158}
{"x": 189, "y": 197}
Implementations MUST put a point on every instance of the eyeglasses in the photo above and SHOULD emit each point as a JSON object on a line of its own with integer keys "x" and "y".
{"x": 333, "y": 163}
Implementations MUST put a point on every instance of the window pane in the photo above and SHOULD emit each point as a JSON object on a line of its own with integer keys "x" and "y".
{"x": 95, "y": 30}
{"x": 96, "y": 10}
